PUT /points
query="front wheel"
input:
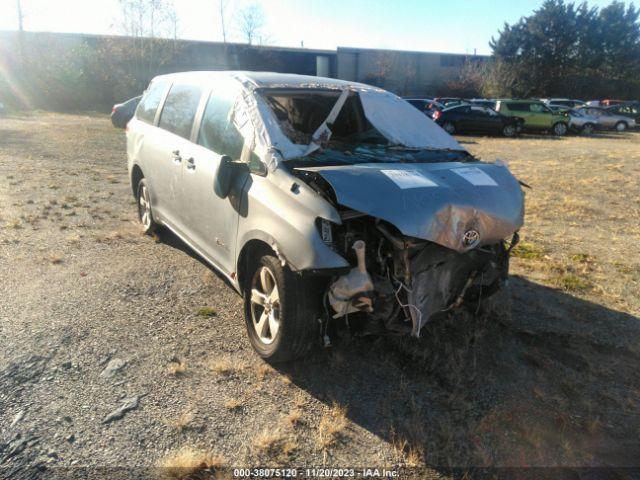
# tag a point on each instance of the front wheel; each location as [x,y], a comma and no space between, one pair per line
[509,131]
[560,129]
[281,311]
[621,126]
[145,215]
[588,129]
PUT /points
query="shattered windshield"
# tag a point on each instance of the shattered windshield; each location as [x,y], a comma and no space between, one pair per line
[353,120]
[301,112]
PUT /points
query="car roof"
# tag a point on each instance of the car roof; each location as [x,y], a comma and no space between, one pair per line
[517,100]
[264,79]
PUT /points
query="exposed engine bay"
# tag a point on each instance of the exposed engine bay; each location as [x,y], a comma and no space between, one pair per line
[398,282]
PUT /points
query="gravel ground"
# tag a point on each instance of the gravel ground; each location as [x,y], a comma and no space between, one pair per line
[126,351]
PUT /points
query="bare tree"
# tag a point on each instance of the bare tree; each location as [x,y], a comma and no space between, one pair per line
[20,16]
[151,48]
[148,18]
[222,8]
[251,22]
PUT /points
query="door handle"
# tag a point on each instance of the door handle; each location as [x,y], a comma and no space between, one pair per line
[176,156]
[191,165]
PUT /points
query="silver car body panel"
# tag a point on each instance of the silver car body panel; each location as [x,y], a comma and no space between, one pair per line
[607,119]
[439,202]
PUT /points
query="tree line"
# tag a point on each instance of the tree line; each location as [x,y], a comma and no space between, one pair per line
[563,49]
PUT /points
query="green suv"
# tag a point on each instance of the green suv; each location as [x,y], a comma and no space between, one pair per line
[536,115]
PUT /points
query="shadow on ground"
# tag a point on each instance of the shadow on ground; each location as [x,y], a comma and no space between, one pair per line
[541,378]
[554,383]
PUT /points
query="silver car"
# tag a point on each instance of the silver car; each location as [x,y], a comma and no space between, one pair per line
[581,122]
[327,204]
[609,120]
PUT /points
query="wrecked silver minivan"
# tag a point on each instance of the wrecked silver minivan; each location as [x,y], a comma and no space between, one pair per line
[321,201]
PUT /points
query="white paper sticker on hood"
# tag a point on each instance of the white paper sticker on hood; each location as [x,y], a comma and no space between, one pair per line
[475,176]
[409,179]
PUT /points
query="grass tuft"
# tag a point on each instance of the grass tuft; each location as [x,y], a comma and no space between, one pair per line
[331,426]
[207,312]
[267,441]
[183,421]
[223,366]
[177,368]
[528,251]
[188,462]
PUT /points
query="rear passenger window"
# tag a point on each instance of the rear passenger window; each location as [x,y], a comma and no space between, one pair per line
[518,107]
[180,109]
[146,111]
[218,131]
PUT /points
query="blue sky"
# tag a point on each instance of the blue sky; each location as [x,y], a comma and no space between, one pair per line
[458,26]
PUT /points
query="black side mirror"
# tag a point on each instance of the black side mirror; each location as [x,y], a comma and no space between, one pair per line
[227,172]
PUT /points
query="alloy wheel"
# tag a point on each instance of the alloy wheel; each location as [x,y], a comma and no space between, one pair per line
[265,305]
[560,129]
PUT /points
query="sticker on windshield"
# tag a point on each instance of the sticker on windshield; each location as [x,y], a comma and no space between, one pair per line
[409,179]
[475,176]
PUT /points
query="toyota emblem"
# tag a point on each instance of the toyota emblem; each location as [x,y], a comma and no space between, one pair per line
[470,238]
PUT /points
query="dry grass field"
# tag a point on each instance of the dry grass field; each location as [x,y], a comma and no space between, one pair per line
[120,350]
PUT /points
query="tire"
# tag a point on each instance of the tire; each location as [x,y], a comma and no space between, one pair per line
[293,311]
[509,131]
[621,126]
[449,127]
[145,214]
[560,129]
[588,129]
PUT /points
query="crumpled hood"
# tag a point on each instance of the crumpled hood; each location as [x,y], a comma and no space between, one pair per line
[446,203]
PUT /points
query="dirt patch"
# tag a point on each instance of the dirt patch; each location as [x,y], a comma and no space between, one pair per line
[545,377]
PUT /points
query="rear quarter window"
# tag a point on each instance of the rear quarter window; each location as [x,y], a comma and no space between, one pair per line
[518,107]
[150,101]
[180,109]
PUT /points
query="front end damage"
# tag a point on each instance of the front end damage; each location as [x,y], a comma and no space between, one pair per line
[457,254]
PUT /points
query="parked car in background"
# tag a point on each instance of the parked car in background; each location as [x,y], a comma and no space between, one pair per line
[535,114]
[121,113]
[484,102]
[426,105]
[630,109]
[301,191]
[581,122]
[609,103]
[608,119]
[449,101]
[477,119]
[563,102]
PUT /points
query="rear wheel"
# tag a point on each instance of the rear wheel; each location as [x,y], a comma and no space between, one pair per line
[509,130]
[560,129]
[588,128]
[449,127]
[281,311]
[145,214]
[621,126]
